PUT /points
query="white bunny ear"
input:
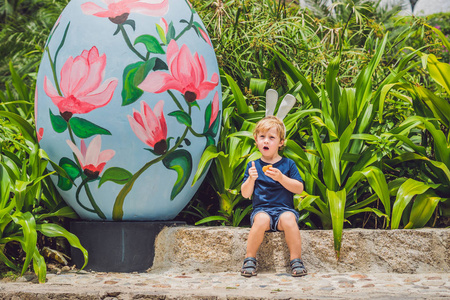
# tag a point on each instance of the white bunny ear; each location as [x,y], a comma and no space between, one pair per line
[285,106]
[271,101]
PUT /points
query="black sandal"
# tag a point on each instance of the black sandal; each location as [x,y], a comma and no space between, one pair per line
[249,267]
[298,268]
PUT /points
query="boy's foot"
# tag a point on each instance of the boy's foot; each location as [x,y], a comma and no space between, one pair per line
[297,268]
[249,267]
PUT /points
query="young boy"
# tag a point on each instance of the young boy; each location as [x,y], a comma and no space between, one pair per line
[272,194]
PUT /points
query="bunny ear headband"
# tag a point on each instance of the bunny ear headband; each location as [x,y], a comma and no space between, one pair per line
[286,104]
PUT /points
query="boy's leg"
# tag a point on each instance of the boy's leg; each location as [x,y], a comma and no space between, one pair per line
[288,223]
[261,223]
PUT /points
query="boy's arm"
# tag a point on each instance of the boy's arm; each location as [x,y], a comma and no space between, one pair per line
[248,186]
[292,185]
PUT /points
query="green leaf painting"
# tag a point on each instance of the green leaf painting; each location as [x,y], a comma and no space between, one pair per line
[181,162]
[116,175]
[151,43]
[58,123]
[84,129]
[71,169]
[182,117]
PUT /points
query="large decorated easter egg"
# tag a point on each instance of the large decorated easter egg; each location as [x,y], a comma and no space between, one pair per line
[128,98]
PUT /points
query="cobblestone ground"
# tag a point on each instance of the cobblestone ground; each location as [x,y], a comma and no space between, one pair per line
[71,284]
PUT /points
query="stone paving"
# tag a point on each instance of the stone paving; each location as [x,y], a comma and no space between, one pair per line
[70,284]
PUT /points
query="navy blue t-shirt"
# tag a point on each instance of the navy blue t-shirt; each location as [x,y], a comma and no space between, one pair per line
[269,193]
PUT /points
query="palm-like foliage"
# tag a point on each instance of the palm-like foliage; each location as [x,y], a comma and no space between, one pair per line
[24,28]
[243,33]
[436,166]
[29,202]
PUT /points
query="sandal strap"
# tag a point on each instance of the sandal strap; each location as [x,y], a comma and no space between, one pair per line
[297,267]
[297,263]
[248,259]
[249,262]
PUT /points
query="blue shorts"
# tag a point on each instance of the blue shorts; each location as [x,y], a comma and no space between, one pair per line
[274,213]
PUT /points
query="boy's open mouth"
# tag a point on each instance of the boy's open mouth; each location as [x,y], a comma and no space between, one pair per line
[266,148]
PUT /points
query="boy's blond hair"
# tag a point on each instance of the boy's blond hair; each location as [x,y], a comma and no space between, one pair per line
[268,123]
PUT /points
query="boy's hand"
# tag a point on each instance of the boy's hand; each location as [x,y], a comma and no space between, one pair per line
[275,174]
[252,172]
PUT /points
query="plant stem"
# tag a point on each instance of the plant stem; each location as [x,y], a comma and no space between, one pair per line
[175,100]
[91,199]
[181,108]
[127,40]
[189,26]
[93,203]
[343,31]
[195,133]
[55,78]
[71,134]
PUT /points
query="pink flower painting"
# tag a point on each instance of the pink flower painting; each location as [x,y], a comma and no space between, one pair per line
[81,84]
[204,36]
[188,75]
[150,126]
[40,134]
[117,11]
[214,109]
[91,159]
[164,25]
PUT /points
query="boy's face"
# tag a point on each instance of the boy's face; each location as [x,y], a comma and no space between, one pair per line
[269,142]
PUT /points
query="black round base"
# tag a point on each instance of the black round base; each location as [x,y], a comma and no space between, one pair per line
[117,246]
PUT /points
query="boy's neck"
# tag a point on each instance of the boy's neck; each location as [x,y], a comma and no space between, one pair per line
[271,159]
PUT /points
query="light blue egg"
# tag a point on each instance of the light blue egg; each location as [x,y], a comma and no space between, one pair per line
[128,98]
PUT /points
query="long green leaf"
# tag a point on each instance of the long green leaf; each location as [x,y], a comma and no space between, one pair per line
[25,127]
[378,182]
[241,103]
[332,165]
[293,73]
[422,209]
[65,212]
[209,154]
[407,190]
[441,145]
[54,230]
[258,86]
[337,207]
[440,72]
[364,82]
[441,35]
[39,266]
[212,218]
[6,260]
[28,224]
[5,185]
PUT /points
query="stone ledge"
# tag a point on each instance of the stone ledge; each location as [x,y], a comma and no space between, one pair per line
[222,249]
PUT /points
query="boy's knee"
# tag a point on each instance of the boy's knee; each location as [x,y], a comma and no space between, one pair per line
[288,219]
[261,219]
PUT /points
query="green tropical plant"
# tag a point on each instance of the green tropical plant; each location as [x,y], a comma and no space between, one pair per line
[244,31]
[433,110]
[29,203]
[342,151]
[229,159]
[24,28]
